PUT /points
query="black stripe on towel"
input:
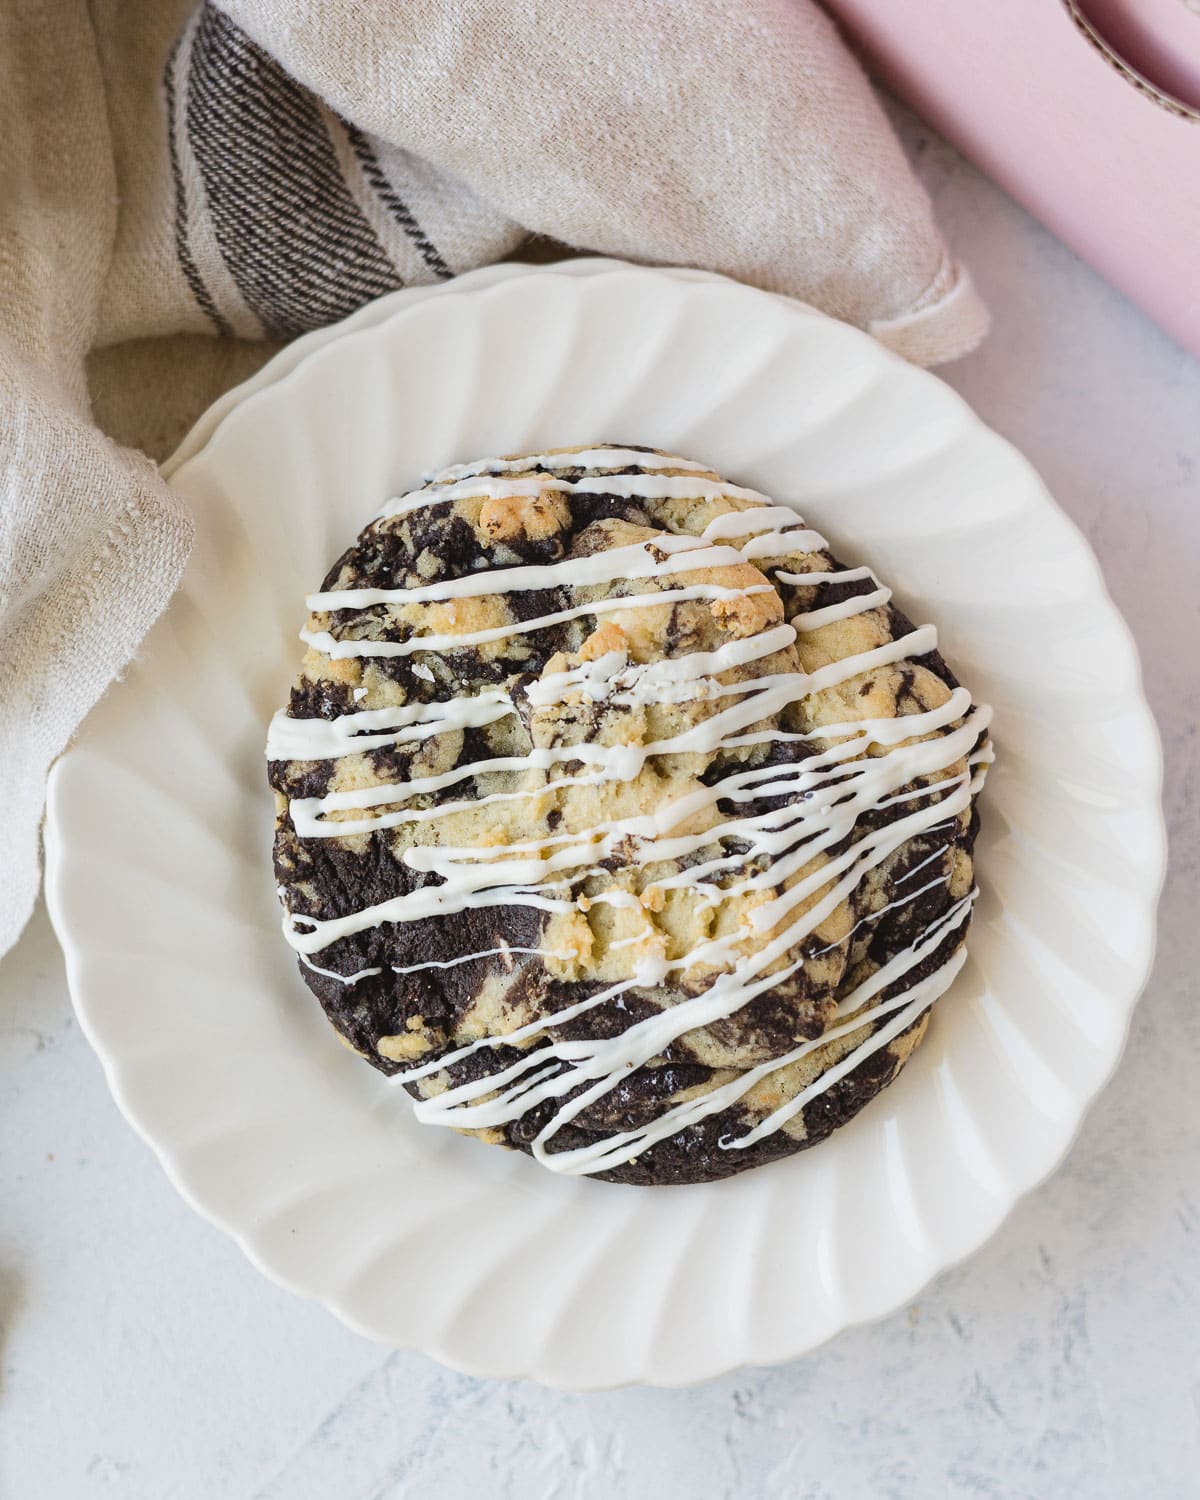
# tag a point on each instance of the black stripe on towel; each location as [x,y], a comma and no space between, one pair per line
[393,202]
[183,251]
[297,245]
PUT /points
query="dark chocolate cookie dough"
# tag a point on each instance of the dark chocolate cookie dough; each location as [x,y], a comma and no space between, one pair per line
[619,819]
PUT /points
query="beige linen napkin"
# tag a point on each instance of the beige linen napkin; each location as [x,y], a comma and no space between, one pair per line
[182,187]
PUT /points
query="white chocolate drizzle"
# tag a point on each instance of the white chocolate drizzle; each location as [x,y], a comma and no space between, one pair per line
[654,485]
[607,457]
[785,855]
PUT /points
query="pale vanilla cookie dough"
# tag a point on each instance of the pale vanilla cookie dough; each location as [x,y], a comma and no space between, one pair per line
[619,820]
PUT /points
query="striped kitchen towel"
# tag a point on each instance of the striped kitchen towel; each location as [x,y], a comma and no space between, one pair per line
[286,215]
[187,185]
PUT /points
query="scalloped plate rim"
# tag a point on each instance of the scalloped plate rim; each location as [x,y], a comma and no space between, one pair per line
[277,370]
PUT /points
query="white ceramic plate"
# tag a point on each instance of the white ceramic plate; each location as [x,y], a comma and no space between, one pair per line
[160,826]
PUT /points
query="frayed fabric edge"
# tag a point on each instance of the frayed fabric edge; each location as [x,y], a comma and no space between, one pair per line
[948,322]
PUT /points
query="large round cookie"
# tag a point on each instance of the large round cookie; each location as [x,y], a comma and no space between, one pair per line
[618,818]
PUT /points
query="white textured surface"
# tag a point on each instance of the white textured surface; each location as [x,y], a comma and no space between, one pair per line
[145,1358]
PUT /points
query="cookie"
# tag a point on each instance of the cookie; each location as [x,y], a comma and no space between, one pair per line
[620,821]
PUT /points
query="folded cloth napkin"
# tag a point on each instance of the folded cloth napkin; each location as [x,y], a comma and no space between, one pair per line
[258,168]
